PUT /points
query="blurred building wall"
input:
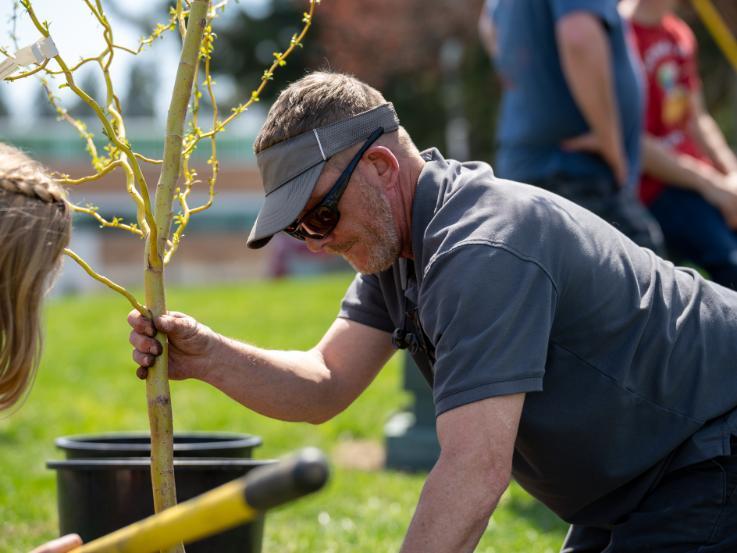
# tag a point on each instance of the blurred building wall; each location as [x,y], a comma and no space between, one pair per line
[214,246]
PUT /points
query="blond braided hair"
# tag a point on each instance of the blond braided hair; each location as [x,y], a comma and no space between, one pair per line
[21,175]
[32,190]
[35,224]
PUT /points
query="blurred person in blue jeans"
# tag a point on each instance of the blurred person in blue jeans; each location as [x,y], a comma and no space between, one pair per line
[689,177]
[571,110]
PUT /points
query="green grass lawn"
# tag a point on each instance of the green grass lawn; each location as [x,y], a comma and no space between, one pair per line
[87,384]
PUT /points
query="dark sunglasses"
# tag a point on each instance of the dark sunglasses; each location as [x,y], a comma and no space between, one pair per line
[322,219]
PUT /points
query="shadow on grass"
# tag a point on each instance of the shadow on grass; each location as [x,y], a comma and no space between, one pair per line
[8,438]
[535,513]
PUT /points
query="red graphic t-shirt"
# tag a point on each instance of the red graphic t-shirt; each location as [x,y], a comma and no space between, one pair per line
[668,54]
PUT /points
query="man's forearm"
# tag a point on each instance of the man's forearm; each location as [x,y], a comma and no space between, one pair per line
[586,62]
[454,509]
[286,385]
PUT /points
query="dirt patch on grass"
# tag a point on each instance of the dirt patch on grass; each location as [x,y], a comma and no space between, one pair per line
[368,455]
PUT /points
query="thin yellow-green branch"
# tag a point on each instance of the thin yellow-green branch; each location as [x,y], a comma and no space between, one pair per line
[197,135]
[158,31]
[130,188]
[109,283]
[125,49]
[180,18]
[177,112]
[28,73]
[148,159]
[140,179]
[190,175]
[65,180]
[213,161]
[115,223]
[279,61]
[75,67]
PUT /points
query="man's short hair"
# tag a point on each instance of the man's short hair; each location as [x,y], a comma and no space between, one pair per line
[314,101]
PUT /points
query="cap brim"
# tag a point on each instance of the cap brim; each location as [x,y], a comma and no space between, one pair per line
[282,207]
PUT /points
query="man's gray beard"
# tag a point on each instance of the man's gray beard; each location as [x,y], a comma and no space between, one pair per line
[383,254]
[384,247]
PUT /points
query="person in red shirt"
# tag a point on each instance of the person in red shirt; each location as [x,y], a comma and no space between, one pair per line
[689,177]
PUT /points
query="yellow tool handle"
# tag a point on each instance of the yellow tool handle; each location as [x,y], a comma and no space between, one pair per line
[208,513]
[224,507]
[718,29]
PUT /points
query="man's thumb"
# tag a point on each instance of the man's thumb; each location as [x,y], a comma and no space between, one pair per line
[181,327]
[167,324]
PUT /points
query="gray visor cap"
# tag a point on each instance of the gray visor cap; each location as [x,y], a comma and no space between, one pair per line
[290,169]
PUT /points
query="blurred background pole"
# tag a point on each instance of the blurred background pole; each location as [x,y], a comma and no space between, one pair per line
[411,441]
[456,128]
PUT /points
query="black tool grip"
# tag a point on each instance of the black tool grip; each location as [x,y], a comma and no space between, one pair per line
[291,478]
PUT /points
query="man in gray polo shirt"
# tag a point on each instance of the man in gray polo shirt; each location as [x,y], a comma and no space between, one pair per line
[598,374]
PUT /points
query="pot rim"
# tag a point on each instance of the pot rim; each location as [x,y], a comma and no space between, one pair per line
[144,463]
[97,442]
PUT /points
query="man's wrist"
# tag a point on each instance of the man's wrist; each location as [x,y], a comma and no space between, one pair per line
[212,359]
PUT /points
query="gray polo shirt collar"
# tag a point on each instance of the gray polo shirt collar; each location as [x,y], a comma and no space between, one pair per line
[425,202]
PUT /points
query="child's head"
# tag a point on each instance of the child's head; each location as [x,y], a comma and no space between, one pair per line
[35,223]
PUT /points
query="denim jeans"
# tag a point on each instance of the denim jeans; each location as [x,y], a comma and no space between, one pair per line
[695,231]
[691,510]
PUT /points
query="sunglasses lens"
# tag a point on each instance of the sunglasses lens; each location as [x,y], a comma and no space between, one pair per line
[320,222]
[316,224]
[295,230]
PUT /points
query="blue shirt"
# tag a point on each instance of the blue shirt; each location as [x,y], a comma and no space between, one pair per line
[537,110]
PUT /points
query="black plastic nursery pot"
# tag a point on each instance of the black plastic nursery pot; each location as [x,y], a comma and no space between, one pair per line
[105,482]
[98,496]
[138,444]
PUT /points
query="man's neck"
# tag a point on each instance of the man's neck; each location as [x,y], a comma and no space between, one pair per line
[409,176]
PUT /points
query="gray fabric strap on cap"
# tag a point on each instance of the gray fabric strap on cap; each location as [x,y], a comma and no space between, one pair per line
[286,160]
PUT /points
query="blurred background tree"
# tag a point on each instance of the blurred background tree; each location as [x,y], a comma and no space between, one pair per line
[42,108]
[424,55]
[140,92]
[719,80]
[3,105]
[248,40]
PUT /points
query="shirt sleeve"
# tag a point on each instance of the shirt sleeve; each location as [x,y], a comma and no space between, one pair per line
[489,313]
[364,303]
[606,10]
[491,8]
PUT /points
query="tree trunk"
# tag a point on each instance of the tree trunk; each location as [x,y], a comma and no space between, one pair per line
[157,383]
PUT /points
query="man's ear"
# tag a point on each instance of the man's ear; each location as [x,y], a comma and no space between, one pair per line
[385,164]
